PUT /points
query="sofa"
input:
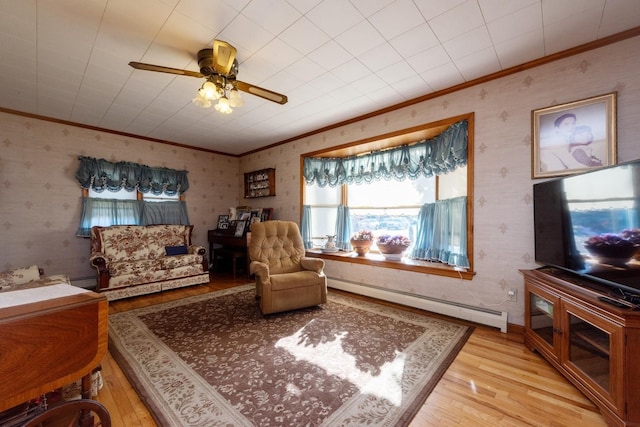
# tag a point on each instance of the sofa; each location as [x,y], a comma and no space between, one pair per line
[135,260]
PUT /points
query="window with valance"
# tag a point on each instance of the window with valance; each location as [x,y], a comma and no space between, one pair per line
[103,176]
[436,223]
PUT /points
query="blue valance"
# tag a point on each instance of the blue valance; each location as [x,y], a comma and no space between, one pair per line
[101,174]
[435,156]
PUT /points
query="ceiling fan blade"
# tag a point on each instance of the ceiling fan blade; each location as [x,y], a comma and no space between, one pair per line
[223,56]
[262,93]
[161,69]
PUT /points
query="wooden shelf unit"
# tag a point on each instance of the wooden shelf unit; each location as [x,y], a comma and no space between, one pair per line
[261,183]
[592,343]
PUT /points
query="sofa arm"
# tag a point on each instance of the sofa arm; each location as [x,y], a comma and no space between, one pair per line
[199,250]
[98,260]
[260,270]
[313,264]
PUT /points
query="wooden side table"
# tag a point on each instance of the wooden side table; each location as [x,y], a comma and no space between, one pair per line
[49,337]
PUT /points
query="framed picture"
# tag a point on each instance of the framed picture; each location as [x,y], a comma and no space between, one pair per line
[240,226]
[267,213]
[573,137]
[223,222]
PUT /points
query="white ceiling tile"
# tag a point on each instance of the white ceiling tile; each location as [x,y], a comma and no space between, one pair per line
[305,69]
[398,71]
[274,16]
[360,38]
[414,41]
[412,87]
[369,84]
[380,57]
[442,77]
[397,18]
[351,71]
[579,29]
[555,12]
[520,49]
[369,7]
[478,64]
[334,16]
[523,21]
[245,36]
[468,43]
[432,8]
[457,21]
[212,14]
[304,36]
[330,55]
[18,19]
[618,16]
[429,59]
[496,9]
[303,6]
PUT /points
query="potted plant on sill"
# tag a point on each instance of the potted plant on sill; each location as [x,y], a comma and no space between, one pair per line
[362,241]
[392,247]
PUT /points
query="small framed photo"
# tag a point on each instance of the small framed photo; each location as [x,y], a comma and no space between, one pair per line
[573,137]
[223,222]
[240,226]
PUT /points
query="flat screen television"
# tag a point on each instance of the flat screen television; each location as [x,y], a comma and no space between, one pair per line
[589,224]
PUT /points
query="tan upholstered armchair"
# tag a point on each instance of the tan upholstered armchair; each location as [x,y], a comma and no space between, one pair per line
[285,278]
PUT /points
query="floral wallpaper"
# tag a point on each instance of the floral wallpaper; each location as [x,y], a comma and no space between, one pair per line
[40,197]
[503,203]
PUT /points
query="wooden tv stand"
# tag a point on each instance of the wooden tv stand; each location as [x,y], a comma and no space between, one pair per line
[593,343]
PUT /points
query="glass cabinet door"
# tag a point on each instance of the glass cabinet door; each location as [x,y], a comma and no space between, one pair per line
[592,351]
[541,317]
[589,351]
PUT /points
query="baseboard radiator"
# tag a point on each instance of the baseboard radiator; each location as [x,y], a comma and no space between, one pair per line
[493,318]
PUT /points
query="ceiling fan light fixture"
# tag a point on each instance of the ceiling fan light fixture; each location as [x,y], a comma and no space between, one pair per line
[235,100]
[200,100]
[223,106]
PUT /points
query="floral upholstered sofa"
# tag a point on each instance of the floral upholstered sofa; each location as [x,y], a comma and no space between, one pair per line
[141,259]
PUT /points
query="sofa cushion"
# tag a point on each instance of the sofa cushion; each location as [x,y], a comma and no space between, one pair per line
[176,261]
[299,279]
[176,250]
[19,276]
[121,268]
[125,242]
[160,236]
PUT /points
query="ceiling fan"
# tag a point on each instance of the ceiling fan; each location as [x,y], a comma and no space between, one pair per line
[220,67]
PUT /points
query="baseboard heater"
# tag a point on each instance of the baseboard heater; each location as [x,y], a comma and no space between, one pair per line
[493,318]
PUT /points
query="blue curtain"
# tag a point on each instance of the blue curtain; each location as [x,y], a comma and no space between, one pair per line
[101,174]
[442,232]
[343,228]
[106,212]
[305,226]
[165,213]
[436,156]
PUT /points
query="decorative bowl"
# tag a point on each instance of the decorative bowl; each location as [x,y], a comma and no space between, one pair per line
[611,249]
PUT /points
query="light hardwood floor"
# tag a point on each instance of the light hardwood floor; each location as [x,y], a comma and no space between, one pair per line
[494,381]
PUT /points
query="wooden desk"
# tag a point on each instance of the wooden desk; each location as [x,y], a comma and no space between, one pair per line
[57,337]
[225,239]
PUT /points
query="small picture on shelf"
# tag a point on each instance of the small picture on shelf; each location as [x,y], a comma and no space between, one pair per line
[223,222]
[240,228]
[267,213]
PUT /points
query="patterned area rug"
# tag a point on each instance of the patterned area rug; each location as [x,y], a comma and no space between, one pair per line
[215,360]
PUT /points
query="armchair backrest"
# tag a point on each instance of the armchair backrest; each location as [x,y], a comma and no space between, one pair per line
[277,244]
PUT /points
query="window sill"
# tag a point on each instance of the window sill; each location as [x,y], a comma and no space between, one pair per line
[407,264]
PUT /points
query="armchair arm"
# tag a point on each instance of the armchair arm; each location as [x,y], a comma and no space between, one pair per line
[259,269]
[313,264]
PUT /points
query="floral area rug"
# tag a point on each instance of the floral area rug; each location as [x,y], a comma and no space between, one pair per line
[215,360]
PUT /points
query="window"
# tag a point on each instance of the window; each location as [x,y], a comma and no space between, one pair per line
[124,193]
[376,202]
